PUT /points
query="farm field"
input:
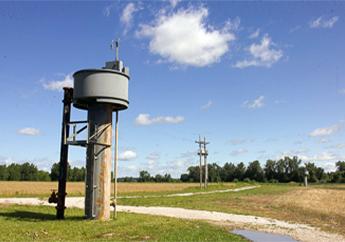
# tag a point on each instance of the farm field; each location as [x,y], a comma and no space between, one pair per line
[29,189]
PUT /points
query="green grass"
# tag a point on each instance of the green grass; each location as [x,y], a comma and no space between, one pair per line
[26,223]
[196,188]
[231,202]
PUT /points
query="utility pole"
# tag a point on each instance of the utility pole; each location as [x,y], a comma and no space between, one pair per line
[200,155]
[203,153]
[205,160]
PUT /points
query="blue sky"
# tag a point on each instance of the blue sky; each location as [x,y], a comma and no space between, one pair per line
[259,79]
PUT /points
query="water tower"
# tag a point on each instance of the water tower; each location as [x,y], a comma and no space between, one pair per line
[100,92]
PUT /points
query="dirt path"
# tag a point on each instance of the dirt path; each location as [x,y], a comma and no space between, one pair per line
[187,194]
[300,232]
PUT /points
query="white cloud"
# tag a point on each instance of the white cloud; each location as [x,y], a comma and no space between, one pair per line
[321,22]
[256,103]
[146,119]
[303,155]
[238,141]
[326,131]
[107,10]
[255,34]
[127,15]
[207,105]
[29,131]
[57,85]
[340,146]
[341,91]
[127,155]
[174,3]
[152,159]
[262,54]
[238,152]
[153,156]
[184,38]
[324,156]
[328,166]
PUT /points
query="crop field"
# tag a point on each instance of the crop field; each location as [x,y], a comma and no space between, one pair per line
[27,189]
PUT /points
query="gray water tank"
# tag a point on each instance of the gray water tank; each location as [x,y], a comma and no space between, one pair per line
[101,86]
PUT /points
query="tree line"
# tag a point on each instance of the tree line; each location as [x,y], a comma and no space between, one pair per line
[287,169]
[29,172]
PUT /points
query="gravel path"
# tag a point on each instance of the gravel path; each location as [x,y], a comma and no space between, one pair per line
[187,194]
[300,232]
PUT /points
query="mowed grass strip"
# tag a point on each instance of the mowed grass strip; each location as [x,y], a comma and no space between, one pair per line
[25,223]
[319,206]
[43,189]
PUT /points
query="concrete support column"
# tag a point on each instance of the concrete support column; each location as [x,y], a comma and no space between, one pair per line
[98,164]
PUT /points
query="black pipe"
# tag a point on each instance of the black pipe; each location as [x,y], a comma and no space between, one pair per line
[66,116]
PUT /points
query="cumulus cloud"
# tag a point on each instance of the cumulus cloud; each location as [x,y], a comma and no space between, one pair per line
[146,119]
[261,54]
[255,34]
[254,104]
[174,3]
[342,91]
[152,159]
[107,10]
[324,156]
[29,131]
[127,15]
[206,105]
[184,38]
[127,155]
[58,85]
[322,22]
[238,152]
[326,131]
[238,141]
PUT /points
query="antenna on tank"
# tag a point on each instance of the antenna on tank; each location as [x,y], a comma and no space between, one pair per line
[115,45]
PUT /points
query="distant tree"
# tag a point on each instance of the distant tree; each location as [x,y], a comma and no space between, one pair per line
[227,173]
[340,165]
[240,171]
[76,174]
[28,172]
[270,170]
[144,176]
[184,177]
[54,172]
[312,170]
[194,173]
[292,168]
[254,171]
[167,178]
[14,172]
[43,176]
[214,172]
[3,173]
[158,178]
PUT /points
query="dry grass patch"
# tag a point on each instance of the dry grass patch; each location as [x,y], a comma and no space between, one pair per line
[324,208]
[19,188]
